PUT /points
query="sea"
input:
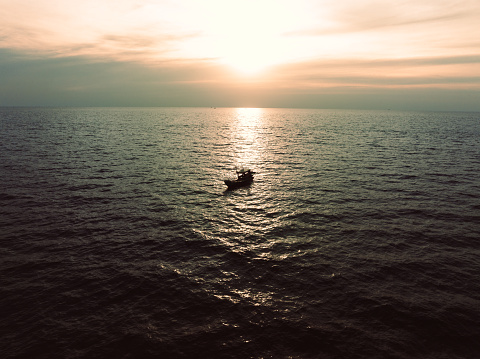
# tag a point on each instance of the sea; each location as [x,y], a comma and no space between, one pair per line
[359,237]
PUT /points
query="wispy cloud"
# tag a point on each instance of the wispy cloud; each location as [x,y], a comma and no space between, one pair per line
[163,28]
[108,28]
[381,29]
[359,16]
[433,72]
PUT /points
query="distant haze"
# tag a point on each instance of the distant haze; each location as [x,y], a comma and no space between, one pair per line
[411,55]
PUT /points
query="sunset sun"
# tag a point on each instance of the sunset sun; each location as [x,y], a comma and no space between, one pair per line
[246,37]
[248,58]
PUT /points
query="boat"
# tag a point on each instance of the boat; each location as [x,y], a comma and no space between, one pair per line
[244,178]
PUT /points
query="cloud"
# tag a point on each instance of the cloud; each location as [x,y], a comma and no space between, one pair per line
[147,30]
[381,29]
[459,72]
[358,16]
[86,81]
[114,29]
[82,81]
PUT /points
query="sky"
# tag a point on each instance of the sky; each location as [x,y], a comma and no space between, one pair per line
[357,54]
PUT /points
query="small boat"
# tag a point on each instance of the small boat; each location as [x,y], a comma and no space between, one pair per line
[244,178]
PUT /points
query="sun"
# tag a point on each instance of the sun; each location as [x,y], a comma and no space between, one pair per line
[248,36]
[252,50]
[248,49]
[246,60]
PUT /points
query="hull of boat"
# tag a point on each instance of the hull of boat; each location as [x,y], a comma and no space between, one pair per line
[238,183]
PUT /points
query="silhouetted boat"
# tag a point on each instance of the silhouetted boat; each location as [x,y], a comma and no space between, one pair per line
[244,178]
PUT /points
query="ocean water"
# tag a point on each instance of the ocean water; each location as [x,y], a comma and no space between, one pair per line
[359,238]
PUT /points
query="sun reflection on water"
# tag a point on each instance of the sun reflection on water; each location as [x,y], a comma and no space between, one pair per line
[247,137]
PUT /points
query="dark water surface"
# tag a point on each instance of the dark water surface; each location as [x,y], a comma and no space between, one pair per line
[360,237]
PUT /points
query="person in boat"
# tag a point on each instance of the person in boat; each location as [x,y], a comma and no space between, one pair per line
[244,174]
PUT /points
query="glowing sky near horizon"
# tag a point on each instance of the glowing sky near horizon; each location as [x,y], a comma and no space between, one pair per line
[303,44]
